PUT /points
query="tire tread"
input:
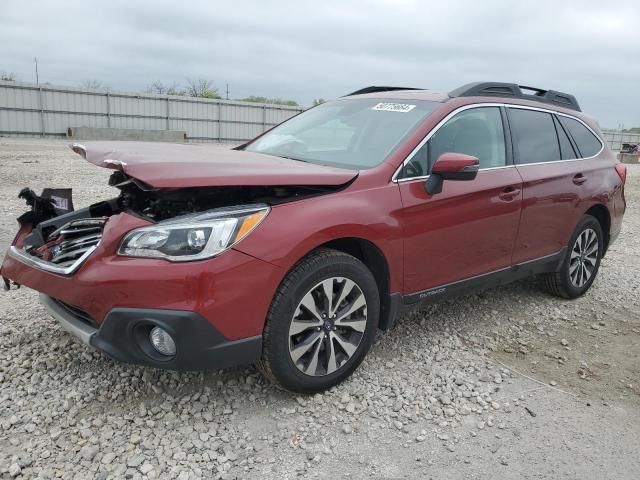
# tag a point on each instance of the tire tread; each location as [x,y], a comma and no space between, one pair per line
[312,262]
[557,283]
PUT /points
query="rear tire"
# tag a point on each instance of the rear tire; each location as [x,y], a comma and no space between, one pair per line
[581,263]
[321,322]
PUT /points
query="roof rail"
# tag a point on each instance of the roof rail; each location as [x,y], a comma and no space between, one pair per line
[513,90]
[362,91]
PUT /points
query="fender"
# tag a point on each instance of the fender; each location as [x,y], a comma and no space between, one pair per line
[348,214]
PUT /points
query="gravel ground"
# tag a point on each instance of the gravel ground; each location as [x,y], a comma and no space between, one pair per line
[509,383]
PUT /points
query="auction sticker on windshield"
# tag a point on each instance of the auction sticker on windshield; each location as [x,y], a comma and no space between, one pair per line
[394,107]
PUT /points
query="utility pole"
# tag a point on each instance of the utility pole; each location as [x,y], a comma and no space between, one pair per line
[227,91]
[37,78]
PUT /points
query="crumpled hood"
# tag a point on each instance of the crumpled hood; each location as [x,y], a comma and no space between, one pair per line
[174,165]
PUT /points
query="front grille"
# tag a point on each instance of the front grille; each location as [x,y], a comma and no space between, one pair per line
[69,251]
[74,239]
[66,249]
[77,313]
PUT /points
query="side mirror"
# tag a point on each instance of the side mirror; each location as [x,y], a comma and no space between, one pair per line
[451,166]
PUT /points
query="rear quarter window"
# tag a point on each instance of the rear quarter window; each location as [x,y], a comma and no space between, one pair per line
[588,144]
[566,149]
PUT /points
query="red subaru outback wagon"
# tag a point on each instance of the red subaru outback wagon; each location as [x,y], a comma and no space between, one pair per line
[293,249]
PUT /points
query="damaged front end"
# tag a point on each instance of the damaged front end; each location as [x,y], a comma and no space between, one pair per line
[55,238]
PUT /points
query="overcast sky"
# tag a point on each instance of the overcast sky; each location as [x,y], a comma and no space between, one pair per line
[308,49]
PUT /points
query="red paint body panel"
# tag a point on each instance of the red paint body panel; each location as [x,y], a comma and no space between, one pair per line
[454,162]
[359,211]
[174,165]
[553,204]
[465,230]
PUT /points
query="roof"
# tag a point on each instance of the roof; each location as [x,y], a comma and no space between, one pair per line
[498,90]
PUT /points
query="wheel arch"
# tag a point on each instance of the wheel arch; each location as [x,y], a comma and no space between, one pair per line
[374,259]
[601,213]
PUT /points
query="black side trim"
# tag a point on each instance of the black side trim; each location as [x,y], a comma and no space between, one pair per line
[393,311]
[78,313]
[124,336]
[550,263]
[508,139]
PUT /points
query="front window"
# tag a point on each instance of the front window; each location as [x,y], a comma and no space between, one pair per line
[355,133]
[476,131]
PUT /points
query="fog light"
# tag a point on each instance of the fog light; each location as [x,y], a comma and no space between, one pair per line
[162,341]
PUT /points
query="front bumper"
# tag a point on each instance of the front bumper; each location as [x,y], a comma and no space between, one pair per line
[232,291]
[124,336]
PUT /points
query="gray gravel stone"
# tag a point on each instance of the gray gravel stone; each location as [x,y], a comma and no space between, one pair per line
[14,470]
[75,411]
[135,461]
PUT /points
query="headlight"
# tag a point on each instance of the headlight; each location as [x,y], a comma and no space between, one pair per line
[194,237]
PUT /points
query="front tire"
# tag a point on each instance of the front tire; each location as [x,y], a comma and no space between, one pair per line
[581,263]
[321,322]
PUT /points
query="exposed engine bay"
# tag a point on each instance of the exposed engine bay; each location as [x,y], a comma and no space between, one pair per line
[162,204]
[62,238]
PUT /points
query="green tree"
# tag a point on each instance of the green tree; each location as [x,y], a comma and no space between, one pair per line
[273,101]
[160,88]
[255,99]
[201,87]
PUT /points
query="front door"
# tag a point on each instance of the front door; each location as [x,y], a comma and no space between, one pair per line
[470,227]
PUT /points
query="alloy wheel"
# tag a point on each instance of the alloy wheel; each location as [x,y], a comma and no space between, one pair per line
[328,326]
[584,257]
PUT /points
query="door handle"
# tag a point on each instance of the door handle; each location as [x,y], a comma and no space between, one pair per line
[509,193]
[579,179]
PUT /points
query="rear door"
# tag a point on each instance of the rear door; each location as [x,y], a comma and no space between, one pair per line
[555,180]
[470,227]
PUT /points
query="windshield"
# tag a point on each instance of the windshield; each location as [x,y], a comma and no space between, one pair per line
[355,133]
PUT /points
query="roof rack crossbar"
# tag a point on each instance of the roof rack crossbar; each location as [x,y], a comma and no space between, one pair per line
[372,89]
[500,89]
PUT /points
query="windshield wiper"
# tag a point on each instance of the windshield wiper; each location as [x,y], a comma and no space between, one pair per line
[292,158]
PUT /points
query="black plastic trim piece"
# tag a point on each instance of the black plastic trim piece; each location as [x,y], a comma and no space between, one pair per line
[433,185]
[39,234]
[508,140]
[394,310]
[550,263]
[373,89]
[513,90]
[124,336]
[78,313]
[199,346]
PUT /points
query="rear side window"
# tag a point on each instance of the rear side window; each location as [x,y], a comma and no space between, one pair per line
[566,149]
[587,142]
[535,136]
